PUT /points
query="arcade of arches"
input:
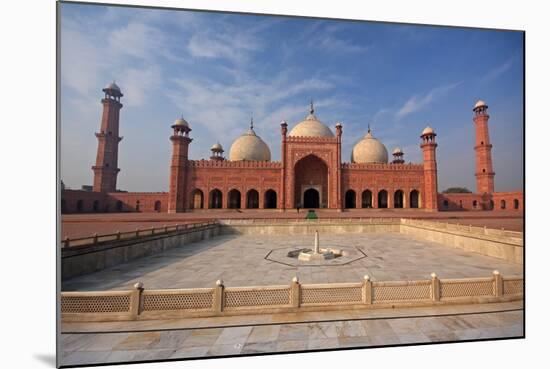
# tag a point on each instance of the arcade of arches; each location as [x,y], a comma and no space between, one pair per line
[311,199]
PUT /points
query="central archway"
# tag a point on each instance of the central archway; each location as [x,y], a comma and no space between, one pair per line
[311,198]
[311,173]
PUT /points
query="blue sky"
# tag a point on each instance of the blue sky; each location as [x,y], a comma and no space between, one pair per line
[219,69]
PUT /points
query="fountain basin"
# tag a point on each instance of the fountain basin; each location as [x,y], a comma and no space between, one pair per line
[323,254]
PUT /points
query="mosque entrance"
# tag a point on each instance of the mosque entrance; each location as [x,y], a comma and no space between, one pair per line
[311,198]
[311,182]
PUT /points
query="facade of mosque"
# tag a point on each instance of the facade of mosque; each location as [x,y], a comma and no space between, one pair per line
[311,173]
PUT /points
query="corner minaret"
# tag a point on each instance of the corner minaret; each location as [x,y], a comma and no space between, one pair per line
[178,168]
[485,176]
[106,166]
[428,146]
[338,165]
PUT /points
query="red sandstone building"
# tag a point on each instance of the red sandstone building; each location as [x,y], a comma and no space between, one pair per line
[311,173]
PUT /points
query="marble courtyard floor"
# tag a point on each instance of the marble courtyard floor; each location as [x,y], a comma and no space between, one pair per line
[240,261]
[91,343]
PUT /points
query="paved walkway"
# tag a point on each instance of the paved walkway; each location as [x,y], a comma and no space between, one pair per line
[178,339]
[240,261]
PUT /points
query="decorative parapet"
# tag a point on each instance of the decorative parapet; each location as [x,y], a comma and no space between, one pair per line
[139,234]
[307,222]
[380,166]
[235,164]
[309,139]
[140,304]
[499,235]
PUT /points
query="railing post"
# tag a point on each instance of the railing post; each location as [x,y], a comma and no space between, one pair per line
[137,232]
[436,288]
[498,283]
[367,290]
[218,296]
[295,292]
[165,228]
[95,237]
[67,242]
[118,235]
[136,305]
[152,230]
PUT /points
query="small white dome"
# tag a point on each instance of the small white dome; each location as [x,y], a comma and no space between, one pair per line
[181,122]
[479,104]
[311,127]
[369,150]
[249,147]
[397,150]
[428,131]
[216,147]
[112,86]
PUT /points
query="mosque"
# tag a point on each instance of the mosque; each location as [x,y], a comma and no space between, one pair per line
[311,173]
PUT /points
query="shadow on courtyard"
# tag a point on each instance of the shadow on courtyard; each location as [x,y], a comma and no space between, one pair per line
[120,276]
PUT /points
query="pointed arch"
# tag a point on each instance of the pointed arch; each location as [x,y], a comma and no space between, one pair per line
[382,199]
[234,199]
[414,199]
[349,200]
[215,199]
[270,199]
[366,199]
[252,199]
[398,199]
[197,199]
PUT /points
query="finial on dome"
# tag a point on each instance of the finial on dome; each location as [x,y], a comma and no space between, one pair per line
[368,129]
[311,110]
[251,121]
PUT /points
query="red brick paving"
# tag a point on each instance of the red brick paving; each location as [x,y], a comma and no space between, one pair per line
[82,225]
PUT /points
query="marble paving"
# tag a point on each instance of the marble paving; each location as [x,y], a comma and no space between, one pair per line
[240,261]
[115,347]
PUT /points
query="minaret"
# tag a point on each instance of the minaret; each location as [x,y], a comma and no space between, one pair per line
[106,166]
[339,166]
[428,146]
[398,156]
[178,169]
[485,176]
[282,201]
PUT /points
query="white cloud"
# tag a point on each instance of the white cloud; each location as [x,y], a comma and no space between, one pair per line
[499,70]
[137,40]
[326,38]
[210,102]
[234,47]
[336,45]
[138,84]
[418,102]
[81,61]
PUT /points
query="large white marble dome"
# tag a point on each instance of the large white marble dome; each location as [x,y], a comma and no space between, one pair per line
[369,150]
[249,146]
[311,127]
